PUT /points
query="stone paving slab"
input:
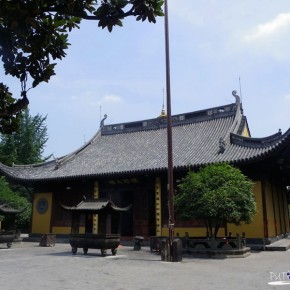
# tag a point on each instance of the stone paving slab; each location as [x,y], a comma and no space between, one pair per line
[26,266]
[280,245]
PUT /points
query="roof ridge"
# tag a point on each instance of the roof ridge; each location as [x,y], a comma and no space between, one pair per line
[177,120]
[61,161]
[225,139]
[260,142]
[236,122]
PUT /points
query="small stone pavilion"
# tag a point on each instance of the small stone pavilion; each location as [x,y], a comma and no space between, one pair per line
[127,163]
[9,213]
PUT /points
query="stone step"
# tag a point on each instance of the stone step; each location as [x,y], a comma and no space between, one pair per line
[280,245]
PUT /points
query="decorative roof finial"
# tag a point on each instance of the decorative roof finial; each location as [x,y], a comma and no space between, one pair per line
[238,99]
[222,145]
[56,161]
[163,113]
[103,121]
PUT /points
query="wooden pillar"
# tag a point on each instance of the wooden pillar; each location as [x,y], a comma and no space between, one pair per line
[264,204]
[95,216]
[274,209]
[282,210]
[158,219]
[279,211]
[285,207]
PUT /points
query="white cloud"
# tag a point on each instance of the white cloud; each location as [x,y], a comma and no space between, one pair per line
[270,28]
[111,99]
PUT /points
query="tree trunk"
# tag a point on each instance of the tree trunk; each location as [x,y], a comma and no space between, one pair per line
[209,229]
[216,229]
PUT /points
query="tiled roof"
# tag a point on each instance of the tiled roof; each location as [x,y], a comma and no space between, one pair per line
[7,209]
[95,206]
[199,138]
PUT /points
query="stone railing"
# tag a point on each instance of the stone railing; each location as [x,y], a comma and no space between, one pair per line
[219,243]
[203,243]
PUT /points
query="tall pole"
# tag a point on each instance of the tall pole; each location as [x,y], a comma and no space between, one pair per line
[169,136]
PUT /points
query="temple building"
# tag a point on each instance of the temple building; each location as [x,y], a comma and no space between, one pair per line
[127,163]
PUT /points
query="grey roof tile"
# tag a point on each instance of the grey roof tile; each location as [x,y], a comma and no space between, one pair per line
[142,147]
[95,206]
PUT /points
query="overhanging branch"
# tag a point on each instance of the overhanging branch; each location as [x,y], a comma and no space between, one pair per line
[15,108]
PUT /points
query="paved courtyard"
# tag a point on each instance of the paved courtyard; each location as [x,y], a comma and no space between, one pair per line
[28,266]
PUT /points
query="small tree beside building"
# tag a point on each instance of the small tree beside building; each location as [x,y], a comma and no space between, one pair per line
[7,195]
[217,194]
[26,146]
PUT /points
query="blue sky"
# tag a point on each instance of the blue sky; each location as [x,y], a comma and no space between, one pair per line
[212,44]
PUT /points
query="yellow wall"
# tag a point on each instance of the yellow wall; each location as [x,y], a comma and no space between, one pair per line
[41,221]
[277,216]
[246,132]
[253,230]
[286,213]
[276,207]
[281,201]
[256,228]
[283,212]
[270,210]
[277,213]
[277,210]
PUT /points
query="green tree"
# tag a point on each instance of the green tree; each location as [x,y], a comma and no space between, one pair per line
[217,194]
[34,33]
[17,202]
[26,146]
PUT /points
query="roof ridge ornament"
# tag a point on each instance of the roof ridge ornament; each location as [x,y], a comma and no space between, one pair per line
[222,145]
[238,99]
[56,161]
[103,121]
[163,113]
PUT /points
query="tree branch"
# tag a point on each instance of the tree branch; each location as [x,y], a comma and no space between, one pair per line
[15,108]
[90,17]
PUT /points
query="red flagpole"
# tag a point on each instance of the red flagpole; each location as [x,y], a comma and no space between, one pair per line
[169,136]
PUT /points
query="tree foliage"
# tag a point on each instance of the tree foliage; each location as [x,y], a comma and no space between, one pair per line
[26,146]
[217,194]
[17,202]
[34,34]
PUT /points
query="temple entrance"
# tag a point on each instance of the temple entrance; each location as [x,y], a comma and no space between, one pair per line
[140,219]
[144,213]
[139,192]
[127,217]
